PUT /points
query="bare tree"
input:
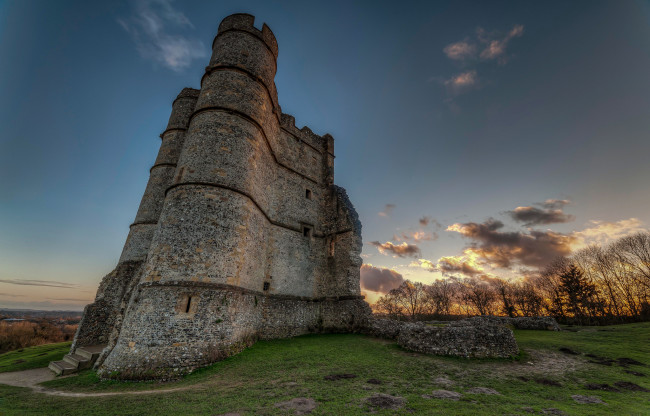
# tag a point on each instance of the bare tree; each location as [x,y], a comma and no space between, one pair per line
[479,295]
[634,251]
[389,306]
[527,299]
[412,297]
[505,291]
[440,296]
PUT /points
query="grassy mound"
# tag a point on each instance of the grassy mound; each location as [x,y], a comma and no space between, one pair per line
[570,372]
[33,357]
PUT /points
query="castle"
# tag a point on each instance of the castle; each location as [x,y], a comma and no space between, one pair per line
[241,233]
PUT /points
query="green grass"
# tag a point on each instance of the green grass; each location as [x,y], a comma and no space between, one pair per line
[276,371]
[33,357]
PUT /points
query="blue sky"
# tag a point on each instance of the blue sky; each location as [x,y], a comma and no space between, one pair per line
[457,111]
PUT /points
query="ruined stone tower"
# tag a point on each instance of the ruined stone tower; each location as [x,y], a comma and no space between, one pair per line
[241,233]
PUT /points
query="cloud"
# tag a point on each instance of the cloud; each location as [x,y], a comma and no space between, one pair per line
[550,213]
[43,305]
[424,221]
[425,264]
[28,282]
[397,250]
[451,265]
[416,236]
[503,249]
[462,82]
[496,47]
[156,27]
[603,232]
[379,279]
[388,208]
[467,264]
[460,50]
[555,203]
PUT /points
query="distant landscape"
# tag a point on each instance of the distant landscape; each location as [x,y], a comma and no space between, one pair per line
[20,328]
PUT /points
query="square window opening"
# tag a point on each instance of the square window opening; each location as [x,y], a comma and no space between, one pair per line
[306,231]
[266,286]
[308,193]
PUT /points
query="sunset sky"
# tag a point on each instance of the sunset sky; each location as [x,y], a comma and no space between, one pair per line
[474,138]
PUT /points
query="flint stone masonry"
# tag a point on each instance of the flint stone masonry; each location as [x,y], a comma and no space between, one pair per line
[468,338]
[541,323]
[241,233]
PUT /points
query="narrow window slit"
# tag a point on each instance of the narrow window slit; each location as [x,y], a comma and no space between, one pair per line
[189,303]
[306,231]
[308,194]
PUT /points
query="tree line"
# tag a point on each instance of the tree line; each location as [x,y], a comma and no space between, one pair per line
[594,285]
[21,334]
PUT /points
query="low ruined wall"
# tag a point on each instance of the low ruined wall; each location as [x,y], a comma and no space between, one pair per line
[164,337]
[541,323]
[471,339]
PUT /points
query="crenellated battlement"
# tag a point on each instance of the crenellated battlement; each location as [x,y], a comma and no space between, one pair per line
[323,143]
[245,22]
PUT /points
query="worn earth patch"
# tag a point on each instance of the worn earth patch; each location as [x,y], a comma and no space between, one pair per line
[481,390]
[443,394]
[547,382]
[630,386]
[605,387]
[444,381]
[385,401]
[578,398]
[301,405]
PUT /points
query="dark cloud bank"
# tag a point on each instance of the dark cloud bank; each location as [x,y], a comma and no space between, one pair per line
[379,279]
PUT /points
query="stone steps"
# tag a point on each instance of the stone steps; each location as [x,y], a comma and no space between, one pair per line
[82,358]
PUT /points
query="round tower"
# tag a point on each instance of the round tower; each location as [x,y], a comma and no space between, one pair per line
[195,302]
[213,227]
[161,176]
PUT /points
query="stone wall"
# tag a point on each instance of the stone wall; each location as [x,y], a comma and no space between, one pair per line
[540,323]
[172,329]
[467,338]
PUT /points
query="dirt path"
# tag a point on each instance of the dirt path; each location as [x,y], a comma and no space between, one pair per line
[31,379]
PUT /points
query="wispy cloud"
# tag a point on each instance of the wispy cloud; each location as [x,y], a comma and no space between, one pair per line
[30,282]
[71,299]
[416,236]
[156,28]
[495,47]
[470,52]
[388,208]
[461,50]
[462,82]
[397,250]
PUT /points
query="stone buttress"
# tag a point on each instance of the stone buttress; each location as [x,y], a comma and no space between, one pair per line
[102,316]
[253,240]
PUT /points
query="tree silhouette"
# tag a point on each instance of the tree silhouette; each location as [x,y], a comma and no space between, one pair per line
[578,292]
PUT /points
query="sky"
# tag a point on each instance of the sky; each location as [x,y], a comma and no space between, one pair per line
[474,138]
